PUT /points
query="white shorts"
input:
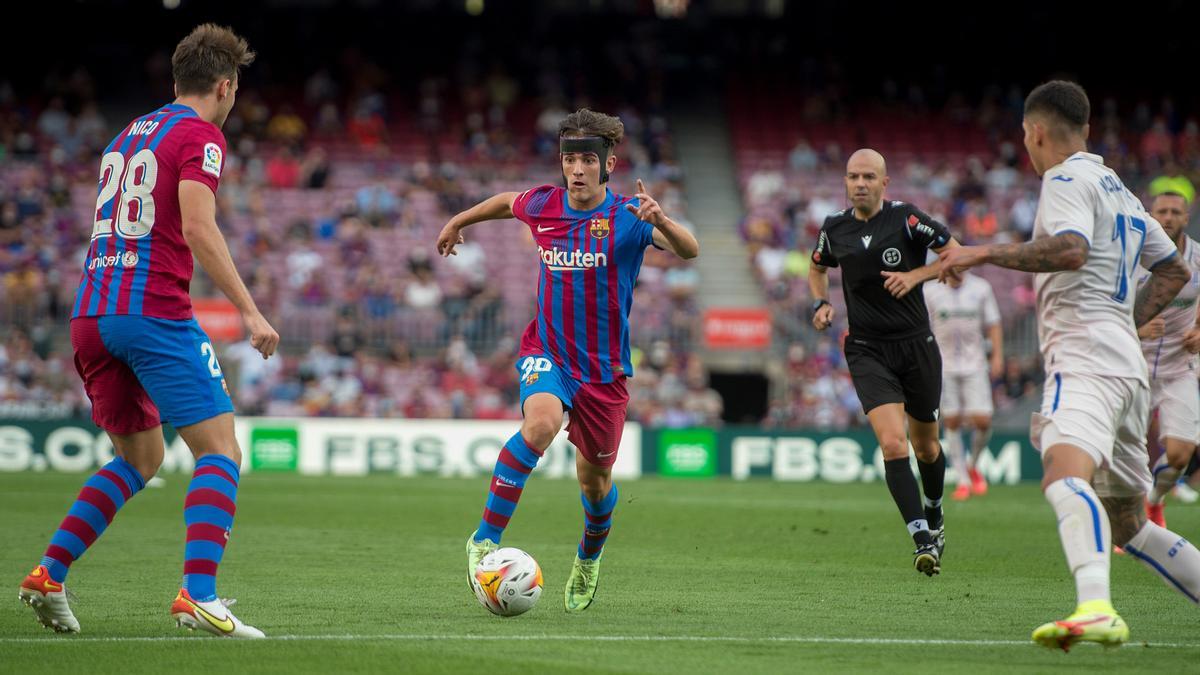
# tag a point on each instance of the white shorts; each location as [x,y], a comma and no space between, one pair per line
[969,394]
[1178,403]
[1104,416]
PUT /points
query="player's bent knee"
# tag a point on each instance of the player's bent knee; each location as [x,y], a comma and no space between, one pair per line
[894,448]
[539,430]
[147,468]
[1178,454]
[927,451]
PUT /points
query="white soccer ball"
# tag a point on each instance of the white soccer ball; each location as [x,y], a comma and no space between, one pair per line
[508,581]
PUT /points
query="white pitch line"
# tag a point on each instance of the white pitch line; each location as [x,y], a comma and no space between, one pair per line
[405,637]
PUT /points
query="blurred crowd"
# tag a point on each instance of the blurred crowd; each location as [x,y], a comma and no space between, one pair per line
[330,199]
[970,172]
[334,190]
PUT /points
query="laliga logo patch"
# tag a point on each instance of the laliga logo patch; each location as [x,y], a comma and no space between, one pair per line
[129,259]
[891,257]
[599,227]
[212,159]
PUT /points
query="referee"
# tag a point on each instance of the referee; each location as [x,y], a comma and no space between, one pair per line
[894,362]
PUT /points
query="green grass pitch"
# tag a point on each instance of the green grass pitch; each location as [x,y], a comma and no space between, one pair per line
[366,574]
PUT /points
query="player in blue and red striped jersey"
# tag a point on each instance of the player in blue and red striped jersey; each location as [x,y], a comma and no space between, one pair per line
[142,356]
[575,353]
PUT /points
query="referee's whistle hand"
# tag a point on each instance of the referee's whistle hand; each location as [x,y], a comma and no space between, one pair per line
[898,283]
[823,317]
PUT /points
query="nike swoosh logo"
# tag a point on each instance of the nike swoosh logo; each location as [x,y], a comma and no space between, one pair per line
[1064,179]
[225,626]
[602,455]
[544,229]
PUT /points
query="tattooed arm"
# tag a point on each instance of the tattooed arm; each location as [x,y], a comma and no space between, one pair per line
[1127,515]
[1166,279]
[1066,251]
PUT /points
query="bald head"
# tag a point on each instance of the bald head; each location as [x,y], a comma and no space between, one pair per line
[866,178]
[867,159]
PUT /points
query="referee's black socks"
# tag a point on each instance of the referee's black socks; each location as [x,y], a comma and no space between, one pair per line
[933,482]
[907,496]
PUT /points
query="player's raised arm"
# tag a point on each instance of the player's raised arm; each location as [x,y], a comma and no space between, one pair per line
[668,234]
[198,209]
[496,207]
[1057,253]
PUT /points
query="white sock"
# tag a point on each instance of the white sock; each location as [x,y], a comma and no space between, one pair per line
[1164,479]
[979,441]
[954,450]
[1170,556]
[1085,533]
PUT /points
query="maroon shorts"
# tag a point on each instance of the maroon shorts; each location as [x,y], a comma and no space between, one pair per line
[596,420]
[596,411]
[119,402]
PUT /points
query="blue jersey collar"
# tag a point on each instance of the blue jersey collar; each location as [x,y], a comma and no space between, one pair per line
[608,201]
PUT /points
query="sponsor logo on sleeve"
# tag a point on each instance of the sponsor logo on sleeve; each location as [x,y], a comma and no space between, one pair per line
[212,159]
[916,224]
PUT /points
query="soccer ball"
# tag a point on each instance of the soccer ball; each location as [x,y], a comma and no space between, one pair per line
[508,581]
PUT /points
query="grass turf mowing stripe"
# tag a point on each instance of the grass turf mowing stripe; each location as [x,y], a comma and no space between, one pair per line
[595,638]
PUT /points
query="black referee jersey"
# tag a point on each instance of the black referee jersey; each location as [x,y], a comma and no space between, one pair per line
[896,239]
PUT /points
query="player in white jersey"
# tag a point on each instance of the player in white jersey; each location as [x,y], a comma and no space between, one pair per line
[1170,343]
[960,311]
[1089,236]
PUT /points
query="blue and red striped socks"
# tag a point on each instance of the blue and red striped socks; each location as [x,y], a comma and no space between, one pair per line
[98,501]
[208,513]
[517,459]
[597,521]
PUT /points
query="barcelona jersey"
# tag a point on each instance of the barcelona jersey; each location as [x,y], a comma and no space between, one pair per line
[138,262]
[589,262]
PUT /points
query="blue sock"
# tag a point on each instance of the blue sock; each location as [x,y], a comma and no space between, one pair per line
[98,502]
[597,521]
[208,512]
[517,459]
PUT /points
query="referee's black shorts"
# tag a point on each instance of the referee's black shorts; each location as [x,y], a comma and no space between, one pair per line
[902,371]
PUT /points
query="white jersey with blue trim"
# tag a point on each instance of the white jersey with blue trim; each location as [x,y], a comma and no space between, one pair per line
[1166,356]
[1085,316]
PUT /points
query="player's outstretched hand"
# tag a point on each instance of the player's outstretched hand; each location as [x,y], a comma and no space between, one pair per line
[262,336]
[823,317]
[648,210]
[898,283]
[449,237]
[959,259]
[1191,341]
[1155,329]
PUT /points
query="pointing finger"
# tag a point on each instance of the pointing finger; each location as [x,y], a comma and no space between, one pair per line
[641,186]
